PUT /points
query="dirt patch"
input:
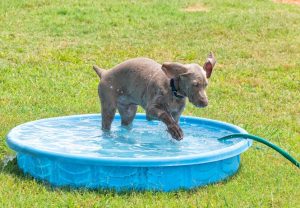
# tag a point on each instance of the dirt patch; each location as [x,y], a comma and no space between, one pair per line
[296,2]
[195,8]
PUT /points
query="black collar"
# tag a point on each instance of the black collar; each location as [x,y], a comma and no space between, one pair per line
[174,90]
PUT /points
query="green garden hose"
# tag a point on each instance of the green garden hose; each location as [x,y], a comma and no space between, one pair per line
[261,140]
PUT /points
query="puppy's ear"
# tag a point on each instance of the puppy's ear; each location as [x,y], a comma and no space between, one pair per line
[172,69]
[209,64]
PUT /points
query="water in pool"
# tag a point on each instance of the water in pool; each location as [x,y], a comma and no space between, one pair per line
[145,139]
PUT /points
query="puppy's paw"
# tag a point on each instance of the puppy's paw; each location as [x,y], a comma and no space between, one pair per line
[175,131]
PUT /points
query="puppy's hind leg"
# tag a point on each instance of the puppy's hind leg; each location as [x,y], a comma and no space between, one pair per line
[108,106]
[108,110]
[127,113]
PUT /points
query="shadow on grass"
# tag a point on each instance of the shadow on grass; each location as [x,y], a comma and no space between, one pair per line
[10,167]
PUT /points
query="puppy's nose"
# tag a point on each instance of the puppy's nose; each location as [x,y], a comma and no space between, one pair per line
[204,103]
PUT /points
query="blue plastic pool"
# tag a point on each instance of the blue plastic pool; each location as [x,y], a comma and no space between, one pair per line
[73,151]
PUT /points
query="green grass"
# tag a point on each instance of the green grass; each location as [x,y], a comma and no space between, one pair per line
[47,49]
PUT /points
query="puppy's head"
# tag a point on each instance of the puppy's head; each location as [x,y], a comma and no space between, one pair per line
[191,79]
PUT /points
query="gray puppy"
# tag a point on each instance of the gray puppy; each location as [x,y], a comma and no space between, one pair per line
[160,89]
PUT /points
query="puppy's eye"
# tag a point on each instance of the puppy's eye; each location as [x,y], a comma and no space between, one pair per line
[196,84]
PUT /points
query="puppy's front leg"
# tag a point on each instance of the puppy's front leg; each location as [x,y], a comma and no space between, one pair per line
[173,127]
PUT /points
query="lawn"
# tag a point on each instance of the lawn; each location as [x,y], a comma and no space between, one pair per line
[48,47]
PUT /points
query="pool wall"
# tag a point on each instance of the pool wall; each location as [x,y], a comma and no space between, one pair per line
[160,178]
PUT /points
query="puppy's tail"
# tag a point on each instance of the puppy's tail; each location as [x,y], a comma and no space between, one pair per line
[98,70]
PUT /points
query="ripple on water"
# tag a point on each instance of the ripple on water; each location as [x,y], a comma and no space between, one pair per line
[83,136]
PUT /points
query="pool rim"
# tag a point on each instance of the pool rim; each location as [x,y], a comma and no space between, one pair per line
[200,158]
